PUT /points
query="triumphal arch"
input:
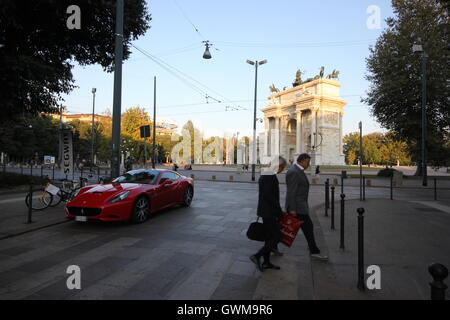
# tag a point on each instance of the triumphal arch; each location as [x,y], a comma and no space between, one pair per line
[306,118]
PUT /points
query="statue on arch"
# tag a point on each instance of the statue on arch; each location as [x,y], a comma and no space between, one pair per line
[273,88]
[333,75]
[298,78]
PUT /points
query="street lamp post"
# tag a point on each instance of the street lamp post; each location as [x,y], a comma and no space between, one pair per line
[360,161]
[417,48]
[256,64]
[92,131]
[117,99]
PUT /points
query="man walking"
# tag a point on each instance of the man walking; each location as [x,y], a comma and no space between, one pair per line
[297,201]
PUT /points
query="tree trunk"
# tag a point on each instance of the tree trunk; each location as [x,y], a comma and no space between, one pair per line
[418,170]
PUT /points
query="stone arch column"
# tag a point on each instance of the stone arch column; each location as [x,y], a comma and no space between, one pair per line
[299,133]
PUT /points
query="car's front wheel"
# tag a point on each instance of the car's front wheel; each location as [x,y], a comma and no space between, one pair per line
[188,196]
[141,210]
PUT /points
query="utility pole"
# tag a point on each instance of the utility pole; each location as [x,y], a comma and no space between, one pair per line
[117,99]
[419,49]
[360,161]
[154,123]
[93,122]
[60,135]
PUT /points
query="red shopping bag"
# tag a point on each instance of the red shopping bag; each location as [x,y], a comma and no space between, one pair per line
[289,228]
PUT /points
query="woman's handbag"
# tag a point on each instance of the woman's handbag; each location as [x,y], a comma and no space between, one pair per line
[256,231]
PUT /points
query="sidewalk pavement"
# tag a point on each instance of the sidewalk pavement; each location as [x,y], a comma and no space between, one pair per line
[401,237]
[14,216]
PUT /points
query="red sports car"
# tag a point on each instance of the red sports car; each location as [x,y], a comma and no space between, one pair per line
[132,196]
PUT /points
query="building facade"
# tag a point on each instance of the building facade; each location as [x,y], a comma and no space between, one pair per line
[306,118]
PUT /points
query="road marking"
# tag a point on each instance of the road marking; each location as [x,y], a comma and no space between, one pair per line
[438,206]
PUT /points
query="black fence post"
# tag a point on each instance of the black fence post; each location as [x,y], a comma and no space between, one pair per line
[439,272]
[21,168]
[31,169]
[42,170]
[361,285]
[392,192]
[435,190]
[30,205]
[53,171]
[342,246]
[332,207]
[327,196]
[81,172]
[364,188]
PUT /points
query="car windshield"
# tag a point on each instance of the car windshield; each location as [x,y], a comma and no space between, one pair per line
[138,176]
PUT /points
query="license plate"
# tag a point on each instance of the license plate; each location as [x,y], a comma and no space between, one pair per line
[81,218]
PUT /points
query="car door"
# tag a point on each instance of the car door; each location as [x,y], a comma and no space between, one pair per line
[167,191]
[154,192]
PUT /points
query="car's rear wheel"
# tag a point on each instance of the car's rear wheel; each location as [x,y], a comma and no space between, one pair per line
[188,196]
[141,210]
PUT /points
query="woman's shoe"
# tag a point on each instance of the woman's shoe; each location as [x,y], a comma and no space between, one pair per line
[257,262]
[270,266]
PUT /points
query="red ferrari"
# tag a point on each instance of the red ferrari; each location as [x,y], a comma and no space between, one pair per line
[132,196]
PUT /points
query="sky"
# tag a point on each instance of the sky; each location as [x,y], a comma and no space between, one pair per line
[290,34]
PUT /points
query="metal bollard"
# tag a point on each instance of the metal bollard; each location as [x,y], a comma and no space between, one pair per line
[31,170]
[81,172]
[332,207]
[361,285]
[439,272]
[435,190]
[342,246]
[30,205]
[364,188]
[53,172]
[42,168]
[392,193]
[21,169]
[327,196]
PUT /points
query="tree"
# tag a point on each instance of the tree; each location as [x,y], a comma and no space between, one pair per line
[39,50]
[395,75]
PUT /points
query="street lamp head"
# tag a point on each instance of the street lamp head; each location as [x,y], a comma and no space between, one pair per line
[94,90]
[250,62]
[262,62]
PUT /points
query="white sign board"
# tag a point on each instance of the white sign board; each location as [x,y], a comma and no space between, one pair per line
[49,160]
[67,152]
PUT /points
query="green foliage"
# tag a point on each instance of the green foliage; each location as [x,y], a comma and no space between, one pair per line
[395,76]
[39,50]
[381,149]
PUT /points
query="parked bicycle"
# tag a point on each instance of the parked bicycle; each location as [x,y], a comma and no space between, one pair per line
[52,195]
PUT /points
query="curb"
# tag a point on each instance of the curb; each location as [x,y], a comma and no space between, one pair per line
[34,229]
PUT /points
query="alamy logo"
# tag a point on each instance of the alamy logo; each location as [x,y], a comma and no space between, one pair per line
[74,20]
[374,280]
[374,20]
[74,280]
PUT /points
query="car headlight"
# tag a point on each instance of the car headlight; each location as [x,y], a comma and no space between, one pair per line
[75,193]
[120,197]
